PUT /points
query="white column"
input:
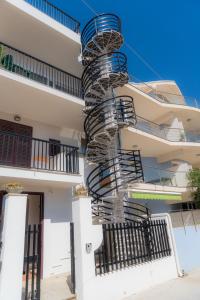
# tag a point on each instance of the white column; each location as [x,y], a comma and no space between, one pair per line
[85,234]
[12,254]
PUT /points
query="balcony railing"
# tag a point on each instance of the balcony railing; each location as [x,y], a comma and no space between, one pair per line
[32,68]
[166,97]
[56,13]
[27,152]
[165,177]
[167,133]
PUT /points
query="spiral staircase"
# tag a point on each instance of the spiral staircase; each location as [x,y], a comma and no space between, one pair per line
[106,115]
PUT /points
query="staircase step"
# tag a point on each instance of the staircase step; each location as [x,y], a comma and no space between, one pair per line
[73,297]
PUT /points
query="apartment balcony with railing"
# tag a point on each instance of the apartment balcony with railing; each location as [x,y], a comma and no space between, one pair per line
[43,30]
[165,177]
[166,92]
[167,133]
[22,64]
[26,152]
[56,13]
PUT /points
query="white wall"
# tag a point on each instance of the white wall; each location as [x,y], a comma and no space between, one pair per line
[46,132]
[118,284]
[56,232]
[175,132]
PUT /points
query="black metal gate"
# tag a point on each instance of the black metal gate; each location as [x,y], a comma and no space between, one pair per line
[131,243]
[32,263]
[73,286]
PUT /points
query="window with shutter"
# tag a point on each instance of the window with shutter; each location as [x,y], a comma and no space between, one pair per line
[15,144]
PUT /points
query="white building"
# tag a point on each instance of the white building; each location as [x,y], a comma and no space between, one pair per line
[110,248]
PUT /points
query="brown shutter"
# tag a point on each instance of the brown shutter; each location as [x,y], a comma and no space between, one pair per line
[15,144]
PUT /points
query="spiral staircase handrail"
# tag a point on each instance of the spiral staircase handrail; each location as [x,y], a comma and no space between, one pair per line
[113,62]
[106,115]
[102,22]
[125,113]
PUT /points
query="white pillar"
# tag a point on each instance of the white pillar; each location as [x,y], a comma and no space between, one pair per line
[12,254]
[85,234]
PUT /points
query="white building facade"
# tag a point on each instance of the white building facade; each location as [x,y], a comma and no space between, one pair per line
[50,226]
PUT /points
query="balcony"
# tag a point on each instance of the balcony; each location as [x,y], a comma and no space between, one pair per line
[166,92]
[31,153]
[164,177]
[161,184]
[33,31]
[56,13]
[167,133]
[22,64]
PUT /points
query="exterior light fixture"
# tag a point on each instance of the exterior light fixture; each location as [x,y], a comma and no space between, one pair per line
[17,118]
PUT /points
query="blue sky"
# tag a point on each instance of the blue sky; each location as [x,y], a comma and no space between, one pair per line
[165,33]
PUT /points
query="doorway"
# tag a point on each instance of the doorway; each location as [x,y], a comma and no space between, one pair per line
[33,246]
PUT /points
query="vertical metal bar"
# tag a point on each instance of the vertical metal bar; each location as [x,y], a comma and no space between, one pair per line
[106,247]
[111,246]
[38,262]
[28,235]
[118,245]
[133,243]
[122,244]
[73,280]
[160,237]
[155,223]
[124,225]
[33,262]
[114,244]
[135,229]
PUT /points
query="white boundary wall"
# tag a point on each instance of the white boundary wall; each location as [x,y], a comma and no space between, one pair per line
[118,284]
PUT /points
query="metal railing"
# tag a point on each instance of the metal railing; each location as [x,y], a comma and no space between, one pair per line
[129,244]
[32,263]
[103,66]
[32,68]
[27,152]
[166,97]
[56,13]
[99,24]
[162,177]
[167,133]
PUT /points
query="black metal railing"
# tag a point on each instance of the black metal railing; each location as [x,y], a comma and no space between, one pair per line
[106,178]
[114,64]
[27,152]
[25,65]
[99,24]
[130,244]
[56,13]
[32,263]
[118,111]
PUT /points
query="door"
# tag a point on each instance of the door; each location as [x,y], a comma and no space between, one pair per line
[15,144]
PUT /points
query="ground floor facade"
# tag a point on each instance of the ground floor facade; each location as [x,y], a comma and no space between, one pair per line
[61,247]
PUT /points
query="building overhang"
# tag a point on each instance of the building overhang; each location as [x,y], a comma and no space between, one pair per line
[38,102]
[26,28]
[39,178]
[151,145]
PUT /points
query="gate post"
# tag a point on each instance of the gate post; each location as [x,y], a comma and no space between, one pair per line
[12,252]
[87,238]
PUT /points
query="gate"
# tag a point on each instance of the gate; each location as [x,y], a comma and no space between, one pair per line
[131,243]
[32,263]
[73,286]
